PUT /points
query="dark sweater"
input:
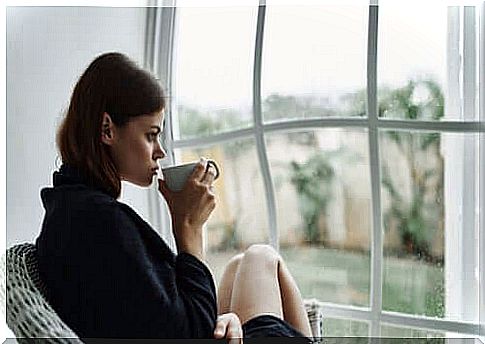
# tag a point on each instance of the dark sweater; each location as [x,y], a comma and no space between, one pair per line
[110,275]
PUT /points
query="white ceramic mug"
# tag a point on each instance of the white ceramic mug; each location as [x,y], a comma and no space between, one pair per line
[176,176]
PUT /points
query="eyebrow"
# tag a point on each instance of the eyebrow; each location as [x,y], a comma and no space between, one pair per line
[156,127]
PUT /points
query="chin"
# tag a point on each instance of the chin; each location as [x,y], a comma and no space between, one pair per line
[144,183]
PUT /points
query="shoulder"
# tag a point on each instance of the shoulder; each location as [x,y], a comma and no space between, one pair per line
[99,206]
[79,205]
[77,194]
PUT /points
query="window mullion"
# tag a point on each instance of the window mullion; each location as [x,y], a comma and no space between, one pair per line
[151,43]
[155,63]
[373,124]
[310,124]
[171,130]
[214,139]
[469,63]
[159,56]
[359,122]
[481,235]
[469,254]
[453,173]
[376,242]
[259,129]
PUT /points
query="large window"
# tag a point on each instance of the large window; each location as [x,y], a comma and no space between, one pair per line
[350,138]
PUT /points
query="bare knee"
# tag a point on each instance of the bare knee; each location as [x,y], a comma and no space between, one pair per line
[234,263]
[262,249]
[256,288]
[262,255]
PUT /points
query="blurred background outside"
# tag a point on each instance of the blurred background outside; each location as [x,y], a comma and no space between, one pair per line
[321,176]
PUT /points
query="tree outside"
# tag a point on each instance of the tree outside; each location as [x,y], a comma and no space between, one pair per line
[414,212]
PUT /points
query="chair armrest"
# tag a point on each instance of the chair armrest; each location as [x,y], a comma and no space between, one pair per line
[315,316]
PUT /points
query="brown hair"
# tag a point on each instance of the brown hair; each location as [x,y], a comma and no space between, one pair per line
[114,84]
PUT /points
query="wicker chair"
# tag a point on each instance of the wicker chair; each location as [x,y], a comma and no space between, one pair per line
[29,315]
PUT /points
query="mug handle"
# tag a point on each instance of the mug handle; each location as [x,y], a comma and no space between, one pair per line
[213,164]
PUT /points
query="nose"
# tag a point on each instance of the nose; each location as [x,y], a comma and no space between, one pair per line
[159,152]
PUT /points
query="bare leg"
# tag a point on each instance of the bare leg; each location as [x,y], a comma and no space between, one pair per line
[293,307]
[256,290]
[264,285]
[224,291]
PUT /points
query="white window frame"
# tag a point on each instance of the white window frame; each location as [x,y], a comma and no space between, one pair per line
[460,211]
[162,18]
[481,221]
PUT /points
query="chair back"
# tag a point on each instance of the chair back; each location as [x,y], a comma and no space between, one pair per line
[28,312]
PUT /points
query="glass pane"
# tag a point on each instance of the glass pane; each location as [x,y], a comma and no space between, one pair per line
[420,61]
[322,190]
[314,61]
[429,197]
[213,69]
[240,217]
[337,327]
[409,332]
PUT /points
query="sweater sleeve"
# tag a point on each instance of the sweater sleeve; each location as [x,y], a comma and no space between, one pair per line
[196,288]
[133,291]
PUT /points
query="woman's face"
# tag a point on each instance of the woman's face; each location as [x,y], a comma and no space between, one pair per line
[135,148]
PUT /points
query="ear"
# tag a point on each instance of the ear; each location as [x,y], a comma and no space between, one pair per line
[107,130]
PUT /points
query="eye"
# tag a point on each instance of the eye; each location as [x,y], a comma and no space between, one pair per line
[152,136]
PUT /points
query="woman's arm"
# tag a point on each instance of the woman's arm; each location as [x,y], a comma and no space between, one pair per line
[121,285]
[181,298]
[190,208]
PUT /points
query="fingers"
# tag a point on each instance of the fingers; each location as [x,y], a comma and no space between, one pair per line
[229,326]
[220,330]
[199,170]
[234,333]
[206,171]
[210,175]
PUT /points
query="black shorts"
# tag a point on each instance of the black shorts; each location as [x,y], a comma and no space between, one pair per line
[272,326]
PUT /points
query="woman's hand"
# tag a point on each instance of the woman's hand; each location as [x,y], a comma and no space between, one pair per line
[229,326]
[190,208]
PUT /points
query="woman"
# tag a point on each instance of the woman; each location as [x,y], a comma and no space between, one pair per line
[108,273]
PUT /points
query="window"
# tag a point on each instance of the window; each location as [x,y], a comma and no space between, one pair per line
[350,138]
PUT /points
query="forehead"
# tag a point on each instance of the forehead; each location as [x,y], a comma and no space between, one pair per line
[148,120]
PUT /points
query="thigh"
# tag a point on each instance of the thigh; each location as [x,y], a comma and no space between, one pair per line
[256,289]
[224,289]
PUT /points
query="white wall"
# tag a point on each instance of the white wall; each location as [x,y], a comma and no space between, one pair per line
[48,48]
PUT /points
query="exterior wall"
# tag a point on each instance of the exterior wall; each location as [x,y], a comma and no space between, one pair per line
[348,224]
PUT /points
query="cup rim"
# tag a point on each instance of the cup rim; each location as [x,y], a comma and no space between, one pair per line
[210,162]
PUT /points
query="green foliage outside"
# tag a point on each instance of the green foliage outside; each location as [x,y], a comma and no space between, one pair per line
[416,215]
[277,107]
[197,123]
[415,218]
[313,182]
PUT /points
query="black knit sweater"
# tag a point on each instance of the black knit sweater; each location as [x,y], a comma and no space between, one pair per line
[110,275]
